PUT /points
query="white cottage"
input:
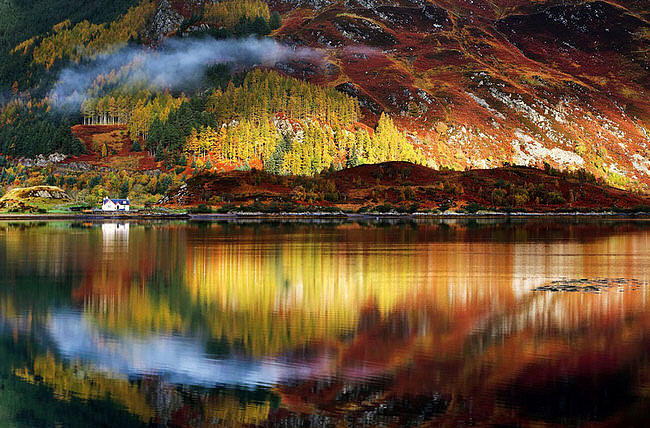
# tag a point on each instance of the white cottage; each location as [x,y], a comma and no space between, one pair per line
[116,205]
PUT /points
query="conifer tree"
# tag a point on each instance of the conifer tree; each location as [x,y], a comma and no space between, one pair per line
[275,21]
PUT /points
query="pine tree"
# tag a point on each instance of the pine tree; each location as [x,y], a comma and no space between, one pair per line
[275,21]
[353,159]
[124,189]
[160,153]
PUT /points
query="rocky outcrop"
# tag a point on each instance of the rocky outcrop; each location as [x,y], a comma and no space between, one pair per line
[316,4]
[43,160]
[165,21]
[24,198]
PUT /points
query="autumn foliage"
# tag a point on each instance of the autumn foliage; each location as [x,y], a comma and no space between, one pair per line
[86,40]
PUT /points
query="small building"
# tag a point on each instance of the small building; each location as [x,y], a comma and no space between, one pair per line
[116,205]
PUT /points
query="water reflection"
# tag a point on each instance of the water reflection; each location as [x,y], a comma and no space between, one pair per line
[187,324]
[176,359]
[115,234]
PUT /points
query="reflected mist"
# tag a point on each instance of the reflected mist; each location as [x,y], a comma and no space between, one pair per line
[186,324]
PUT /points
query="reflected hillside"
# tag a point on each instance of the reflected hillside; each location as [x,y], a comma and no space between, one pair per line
[267,289]
[271,324]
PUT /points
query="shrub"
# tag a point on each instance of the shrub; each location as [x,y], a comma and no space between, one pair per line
[455,189]
[500,183]
[273,207]
[498,196]
[473,208]
[555,198]
[384,208]
[332,196]
[202,209]
[409,194]
[521,198]
[328,209]
[228,208]
[288,207]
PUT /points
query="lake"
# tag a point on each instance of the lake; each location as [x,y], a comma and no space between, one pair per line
[447,322]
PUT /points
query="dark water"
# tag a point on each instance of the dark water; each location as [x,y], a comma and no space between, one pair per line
[325,324]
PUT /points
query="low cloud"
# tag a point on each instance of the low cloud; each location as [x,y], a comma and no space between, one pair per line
[178,64]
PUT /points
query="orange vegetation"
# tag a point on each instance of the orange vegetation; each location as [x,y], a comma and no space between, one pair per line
[110,146]
[404,184]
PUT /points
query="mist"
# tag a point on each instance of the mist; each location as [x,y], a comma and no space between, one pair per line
[177,65]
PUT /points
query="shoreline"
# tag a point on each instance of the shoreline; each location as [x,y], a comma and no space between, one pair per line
[91,217]
[312,216]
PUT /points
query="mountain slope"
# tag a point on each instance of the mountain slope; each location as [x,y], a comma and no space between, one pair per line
[23,19]
[476,83]
[483,82]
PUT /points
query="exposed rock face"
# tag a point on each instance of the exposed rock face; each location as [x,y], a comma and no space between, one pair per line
[78,166]
[165,21]
[316,4]
[364,101]
[43,160]
[49,193]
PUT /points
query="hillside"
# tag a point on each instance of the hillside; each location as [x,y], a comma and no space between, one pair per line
[400,186]
[482,82]
[33,198]
[110,146]
[295,87]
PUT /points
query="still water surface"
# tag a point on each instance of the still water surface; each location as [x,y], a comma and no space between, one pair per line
[351,324]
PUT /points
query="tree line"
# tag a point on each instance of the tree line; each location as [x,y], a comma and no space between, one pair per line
[264,93]
[23,20]
[137,110]
[234,18]
[228,13]
[28,129]
[288,125]
[312,148]
[85,40]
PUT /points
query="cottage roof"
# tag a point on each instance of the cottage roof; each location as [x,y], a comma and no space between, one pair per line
[118,201]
